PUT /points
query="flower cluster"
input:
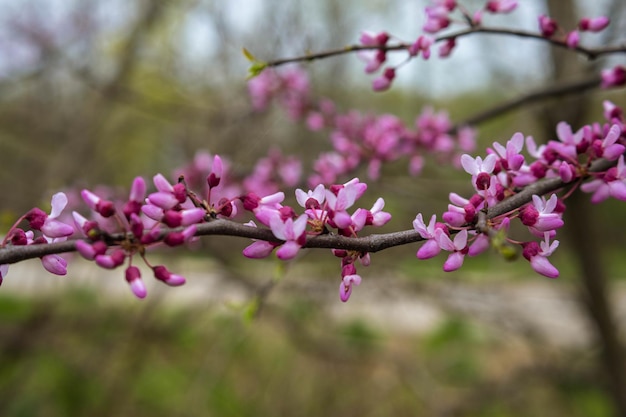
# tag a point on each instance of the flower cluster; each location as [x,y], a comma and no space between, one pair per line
[324,209]
[42,228]
[505,171]
[115,233]
[439,16]
[358,139]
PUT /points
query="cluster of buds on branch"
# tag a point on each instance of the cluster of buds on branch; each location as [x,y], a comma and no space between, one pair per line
[509,185]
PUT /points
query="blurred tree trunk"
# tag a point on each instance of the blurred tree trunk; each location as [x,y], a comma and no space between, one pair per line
[586,246]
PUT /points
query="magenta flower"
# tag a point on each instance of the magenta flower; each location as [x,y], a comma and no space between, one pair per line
[540,216]
[547,26]
[437,18]
[164,275]
[54,264]
[259,248]
[613,77]
[593,24]
[423,44]
[311,199]
[608,148]
[292,232]
[511,159]
[572,39]
[430,248]
[479,170]
[374,39]
[458,247]
[538,256]
[345,288]
[501,6]
[53,228]
[383,82]
[610,184]
[133,277]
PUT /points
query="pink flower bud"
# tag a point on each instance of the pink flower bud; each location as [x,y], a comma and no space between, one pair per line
[595,24]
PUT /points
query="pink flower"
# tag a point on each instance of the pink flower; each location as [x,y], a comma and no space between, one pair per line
[259,248]
[610,184]
[383,82]
[133,277]
[53,228]
[437,17]
[54,264]
[511,159]
[593,24]
[547,26]
[538,256]
[345,288]
[292,232]
[162,274]
[479,169]
[430,248]
[458,247]
[423,43]
[572,39]
[501,6]
[613,77]
[540,216]
[374,39]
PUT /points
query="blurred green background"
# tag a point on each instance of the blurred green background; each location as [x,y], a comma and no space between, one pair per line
[99,92]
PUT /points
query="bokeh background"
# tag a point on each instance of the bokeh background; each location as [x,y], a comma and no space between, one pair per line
[94,93]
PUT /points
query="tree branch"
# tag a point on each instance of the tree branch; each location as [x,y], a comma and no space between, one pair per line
[371,243]
[590,53]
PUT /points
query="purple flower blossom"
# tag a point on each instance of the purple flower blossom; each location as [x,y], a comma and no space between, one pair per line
[540,216]
[538,256]
[164,275]
[610,184]
[501,6]
[133,277]
[292,232]
[613,77]
[431,247]
[511,159]
[345,288]
[593,24]
[54,264]
[458,247]
[479,170]
[547,26]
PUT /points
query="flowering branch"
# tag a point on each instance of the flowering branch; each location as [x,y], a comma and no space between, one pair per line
[371,243]
[590,53]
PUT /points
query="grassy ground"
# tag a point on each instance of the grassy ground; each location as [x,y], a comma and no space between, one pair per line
[81,355]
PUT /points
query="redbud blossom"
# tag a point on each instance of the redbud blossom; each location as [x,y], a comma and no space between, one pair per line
[105,208]
[572,39]
[133,277]
[547,26]
[345,288]
[501,6]
[54,264]
[383,82]
[594,24]
[292,232]
[538,256]
[162,274]
[458,247]
[614,77]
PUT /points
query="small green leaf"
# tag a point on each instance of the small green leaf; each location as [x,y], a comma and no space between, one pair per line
[256,68]
[248,55]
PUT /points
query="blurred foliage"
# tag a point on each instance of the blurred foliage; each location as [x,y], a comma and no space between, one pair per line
[126,100]
[87,357]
